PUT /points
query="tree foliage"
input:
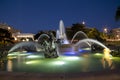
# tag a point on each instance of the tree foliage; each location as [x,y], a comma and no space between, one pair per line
[36,36]
[91,32]
[78,27]
[5,36]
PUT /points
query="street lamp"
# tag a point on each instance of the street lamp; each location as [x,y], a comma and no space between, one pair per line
[117,36]
[9,28]
[105,30]
[83,22]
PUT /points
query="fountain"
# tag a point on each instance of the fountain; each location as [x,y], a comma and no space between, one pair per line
[58,55]
[107,58]
[79,32]
[48,43]
[61,33]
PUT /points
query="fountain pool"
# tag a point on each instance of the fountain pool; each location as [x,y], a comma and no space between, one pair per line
[83,62]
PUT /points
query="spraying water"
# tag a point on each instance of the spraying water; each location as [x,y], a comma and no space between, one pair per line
[62,29]
[61,33]
[42,35]
[30,45]
[107,59]
[57,34]
[90,40]
[79,32]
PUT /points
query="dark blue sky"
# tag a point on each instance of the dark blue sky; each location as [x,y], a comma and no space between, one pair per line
[35,15]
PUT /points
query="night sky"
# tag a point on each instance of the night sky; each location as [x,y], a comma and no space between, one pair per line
[34,15]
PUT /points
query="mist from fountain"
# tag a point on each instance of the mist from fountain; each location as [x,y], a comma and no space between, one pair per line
[43,35]
[26,45]
[57,34]
[90,40]
[61,34]
[82,33]
[79,32]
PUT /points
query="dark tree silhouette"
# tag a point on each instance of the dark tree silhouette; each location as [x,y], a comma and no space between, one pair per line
[5,36]
[38,34]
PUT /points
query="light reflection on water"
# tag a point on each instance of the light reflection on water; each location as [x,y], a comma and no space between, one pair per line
[9,65]
[35,62]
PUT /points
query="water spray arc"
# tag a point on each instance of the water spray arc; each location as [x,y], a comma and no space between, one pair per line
[61,34]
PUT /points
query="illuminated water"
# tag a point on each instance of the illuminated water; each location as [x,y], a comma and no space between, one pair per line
[79,33]
[26,45]
[61,34]
[43,35]
[90,40]
[35,62]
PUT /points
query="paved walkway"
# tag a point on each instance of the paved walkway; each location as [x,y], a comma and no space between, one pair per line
[106,75]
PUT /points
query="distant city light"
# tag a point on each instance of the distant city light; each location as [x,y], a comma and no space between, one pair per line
[117,36]
[9,28]
[27,39]
[83,22]
[105,30]
[15,39]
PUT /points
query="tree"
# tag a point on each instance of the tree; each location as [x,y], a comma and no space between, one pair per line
[103,35]
[36,36]
[5,36]
[94,34]
[77,27]
[117,16]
